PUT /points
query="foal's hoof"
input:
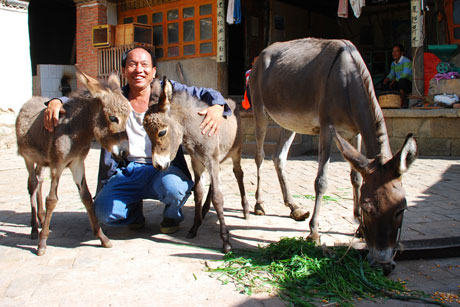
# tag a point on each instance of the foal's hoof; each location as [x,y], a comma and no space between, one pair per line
[41,251]
[247,215]
[314,238]
[300,214]
[259,209]
[106,244]
[227,247]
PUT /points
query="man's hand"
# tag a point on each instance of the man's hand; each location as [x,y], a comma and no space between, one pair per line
[52,112]
[212,120]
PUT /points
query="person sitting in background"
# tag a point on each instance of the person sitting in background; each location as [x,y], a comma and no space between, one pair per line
[246,103]
[400,76]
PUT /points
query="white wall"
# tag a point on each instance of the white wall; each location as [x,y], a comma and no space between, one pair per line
[15,66]
[48,79]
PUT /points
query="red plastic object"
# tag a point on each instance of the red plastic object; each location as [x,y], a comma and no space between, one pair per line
[430,60]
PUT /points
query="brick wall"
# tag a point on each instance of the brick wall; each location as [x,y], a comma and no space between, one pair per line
[89,14]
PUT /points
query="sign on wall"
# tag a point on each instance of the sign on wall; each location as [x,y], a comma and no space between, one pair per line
[416,23]
[221,31]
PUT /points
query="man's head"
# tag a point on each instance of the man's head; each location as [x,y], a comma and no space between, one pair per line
[397,51]
[139,68]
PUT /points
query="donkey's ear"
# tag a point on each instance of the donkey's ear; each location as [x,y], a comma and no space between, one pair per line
[93,85]
[114,81]
[155,91]
[165,96]
[357,160]
[403,159]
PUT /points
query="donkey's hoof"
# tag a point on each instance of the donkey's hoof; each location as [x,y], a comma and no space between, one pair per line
[259,209]
[300,214]
[191,235]
[41,251]
[247,215]
[315,238]
[227,247]
[107,244]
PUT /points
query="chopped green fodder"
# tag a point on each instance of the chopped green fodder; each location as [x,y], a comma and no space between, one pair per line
[303,274]
[326,198]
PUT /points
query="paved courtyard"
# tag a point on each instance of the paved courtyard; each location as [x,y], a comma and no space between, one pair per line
[147,268]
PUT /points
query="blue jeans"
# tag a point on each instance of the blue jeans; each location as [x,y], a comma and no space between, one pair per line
[118,201]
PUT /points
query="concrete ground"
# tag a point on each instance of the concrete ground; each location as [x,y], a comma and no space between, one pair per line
[147,268]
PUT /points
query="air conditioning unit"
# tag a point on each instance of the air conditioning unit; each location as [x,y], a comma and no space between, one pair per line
[103,36]
[132,33]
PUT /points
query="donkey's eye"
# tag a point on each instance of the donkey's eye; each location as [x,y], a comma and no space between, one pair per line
[113,119]
[162,133]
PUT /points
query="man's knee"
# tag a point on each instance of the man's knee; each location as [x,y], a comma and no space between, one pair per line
[175,187]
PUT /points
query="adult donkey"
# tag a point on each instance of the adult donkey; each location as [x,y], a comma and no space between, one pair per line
[173,121]
[98,112]
[308,86]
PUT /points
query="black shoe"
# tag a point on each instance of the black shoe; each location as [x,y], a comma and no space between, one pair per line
[169,226]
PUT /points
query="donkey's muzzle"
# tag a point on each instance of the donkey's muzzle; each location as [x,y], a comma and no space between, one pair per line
[161,162]
[120,151]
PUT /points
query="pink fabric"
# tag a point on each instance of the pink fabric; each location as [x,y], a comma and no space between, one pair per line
[343,9]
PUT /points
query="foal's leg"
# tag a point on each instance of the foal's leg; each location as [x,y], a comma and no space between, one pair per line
[279,159]
[356,182]
[198,170]
[32,186]
[78,172]
[261,121]
[325,139]
[51,201]
[41,210]
[238,172]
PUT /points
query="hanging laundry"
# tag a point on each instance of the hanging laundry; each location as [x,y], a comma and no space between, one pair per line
[237,12]
[230,11]
[357,6]
[343,9]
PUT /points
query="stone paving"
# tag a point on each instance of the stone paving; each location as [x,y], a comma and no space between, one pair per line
[149,268]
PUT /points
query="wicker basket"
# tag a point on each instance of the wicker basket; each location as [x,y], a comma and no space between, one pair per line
[391,101]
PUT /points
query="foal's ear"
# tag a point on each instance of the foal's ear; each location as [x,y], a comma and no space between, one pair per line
[93,85]
[165,96]
[357,160]
[114,81]
[155,91]
[403,159]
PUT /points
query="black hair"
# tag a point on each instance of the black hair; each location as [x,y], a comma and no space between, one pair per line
[400,46]
[150,51]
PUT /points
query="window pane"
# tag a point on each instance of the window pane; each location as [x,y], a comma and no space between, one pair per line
[189,49]
[205,28]
[158,35]
[157,17]
[158,53]
[189,12]
[205,9]
[189,31]
[142,19]
[128,20]
[206,48]
[173,33]
[173,14]
[173,51]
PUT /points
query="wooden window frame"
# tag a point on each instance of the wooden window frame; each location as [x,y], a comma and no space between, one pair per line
[180,6]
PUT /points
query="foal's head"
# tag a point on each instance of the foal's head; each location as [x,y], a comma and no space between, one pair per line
[161,127]
[382,200]
[110,122]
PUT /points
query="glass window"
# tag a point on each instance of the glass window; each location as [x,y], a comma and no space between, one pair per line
[205,9]
[206,48]
[189,49]
[173,51]
[188,12]
[158,35]
[173,33]
[189,31]
[128,20]
[173,14]
[142,19]
[158,53]
[205,28]
[157,17]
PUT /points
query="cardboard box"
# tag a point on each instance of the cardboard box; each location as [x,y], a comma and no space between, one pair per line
[133,33]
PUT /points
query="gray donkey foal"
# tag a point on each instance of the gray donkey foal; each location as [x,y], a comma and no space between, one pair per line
[175,121]
[99,112]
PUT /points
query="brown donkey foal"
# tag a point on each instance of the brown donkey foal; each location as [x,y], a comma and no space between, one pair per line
[100,111]
[175,121]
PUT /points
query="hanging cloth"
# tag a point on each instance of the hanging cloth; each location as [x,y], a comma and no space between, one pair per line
[357,6]
[237,12]
[230,11]
[343,9]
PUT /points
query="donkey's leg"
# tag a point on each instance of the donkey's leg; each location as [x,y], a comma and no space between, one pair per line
[239,175]
[261,121]
[41,210]
[279,159]
[78,172]
[325,139]
[198,170]
[218,202]
[32,186]
[207,203]
[356,182]
[51,201]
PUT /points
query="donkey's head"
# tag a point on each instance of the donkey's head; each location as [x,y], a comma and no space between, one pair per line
[110,122]
[161,127]
[382,198]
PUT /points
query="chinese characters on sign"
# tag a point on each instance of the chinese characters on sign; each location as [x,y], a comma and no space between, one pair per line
[220,31]
[416,24]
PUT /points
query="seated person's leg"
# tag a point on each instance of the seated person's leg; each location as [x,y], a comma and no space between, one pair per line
[120,200]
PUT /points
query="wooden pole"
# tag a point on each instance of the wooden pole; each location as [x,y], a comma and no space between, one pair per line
[417,37]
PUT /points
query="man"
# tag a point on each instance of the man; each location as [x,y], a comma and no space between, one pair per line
[122,186]
[400,76]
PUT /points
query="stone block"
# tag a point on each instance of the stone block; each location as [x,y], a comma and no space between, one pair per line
[455,147]
[420,127]
[434,146]
[389,125]
[445,128]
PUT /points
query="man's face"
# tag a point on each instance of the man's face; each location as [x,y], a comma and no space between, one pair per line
[396,53]
[139,70]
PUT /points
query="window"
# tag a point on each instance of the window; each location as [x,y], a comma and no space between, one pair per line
[179,31]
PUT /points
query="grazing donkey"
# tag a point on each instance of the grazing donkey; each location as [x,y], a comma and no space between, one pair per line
[98,112]
[309,85]
[174,121]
